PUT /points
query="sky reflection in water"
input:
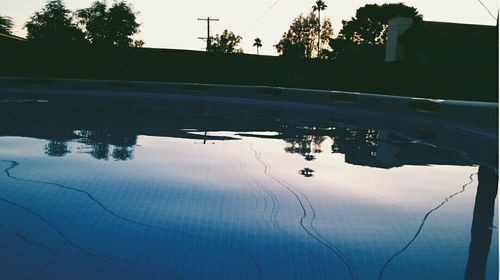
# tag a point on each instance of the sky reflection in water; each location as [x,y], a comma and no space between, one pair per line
[214,196]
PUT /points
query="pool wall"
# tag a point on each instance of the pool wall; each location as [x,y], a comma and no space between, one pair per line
[469,113]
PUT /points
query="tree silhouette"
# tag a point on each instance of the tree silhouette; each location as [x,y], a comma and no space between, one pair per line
[300,39]
[54,26]
[6,25]
[94,19]
[368,29]
[122,152]
[307,172]
[369,26]
[258,44]
[56,148]
[226,43]
[138,44]
[99,150]
[319,6]
[304,144]
[101,141]
[109,26]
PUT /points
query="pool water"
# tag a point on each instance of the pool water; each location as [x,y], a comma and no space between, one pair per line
[209,191]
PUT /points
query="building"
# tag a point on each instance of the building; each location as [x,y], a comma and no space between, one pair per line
[7,39]
[447,59]
[433,42]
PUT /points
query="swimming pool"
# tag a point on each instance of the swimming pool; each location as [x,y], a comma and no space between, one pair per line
[205,187]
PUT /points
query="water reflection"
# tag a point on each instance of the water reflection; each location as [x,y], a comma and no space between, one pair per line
[307,172]
[365,147]
[422,224]
[482,223]
[111,132]
[103,144]
[56,148]
[299,141]
[360,147]
[324,224]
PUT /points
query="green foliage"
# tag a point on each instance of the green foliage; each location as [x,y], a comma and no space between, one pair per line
[300,40]
[227,42]
[54,26]
[6,25]
[111,26]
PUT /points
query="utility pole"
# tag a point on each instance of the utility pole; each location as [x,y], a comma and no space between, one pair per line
[208,20]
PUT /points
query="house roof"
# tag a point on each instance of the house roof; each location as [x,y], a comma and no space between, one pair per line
[12,37]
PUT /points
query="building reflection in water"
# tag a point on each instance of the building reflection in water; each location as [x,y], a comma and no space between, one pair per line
[367,147]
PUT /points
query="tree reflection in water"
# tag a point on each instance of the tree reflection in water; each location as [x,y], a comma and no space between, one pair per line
[98,144]
[56,148]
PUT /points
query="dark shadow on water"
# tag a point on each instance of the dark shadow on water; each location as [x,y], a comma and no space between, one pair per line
[482,223]
[481,232]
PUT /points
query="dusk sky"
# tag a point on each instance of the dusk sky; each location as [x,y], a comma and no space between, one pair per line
[173,23]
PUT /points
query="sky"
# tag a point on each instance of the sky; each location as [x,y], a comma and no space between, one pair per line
[173,23]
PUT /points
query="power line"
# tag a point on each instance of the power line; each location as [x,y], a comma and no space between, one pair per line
[488,10]
[262,16]
[208,38]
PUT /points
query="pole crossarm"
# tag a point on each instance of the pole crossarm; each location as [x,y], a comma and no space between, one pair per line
[208,38]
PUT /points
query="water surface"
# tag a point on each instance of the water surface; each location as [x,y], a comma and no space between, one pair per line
[199,191]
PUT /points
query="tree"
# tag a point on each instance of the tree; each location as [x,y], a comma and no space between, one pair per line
[54,26]
[6,25]
[56,148]
[369,26]
[364,36]
[257,44]
[138,44]
[94,20]
[300,39]
[319,6]
[341,49]
[109,26]
[226,43]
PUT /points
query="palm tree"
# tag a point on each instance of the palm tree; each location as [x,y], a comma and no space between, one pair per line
[319,6]
[6,24]
[258,44]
